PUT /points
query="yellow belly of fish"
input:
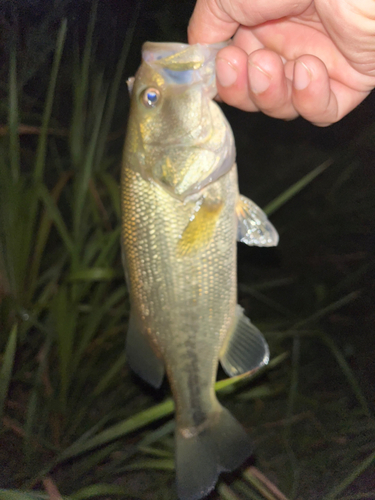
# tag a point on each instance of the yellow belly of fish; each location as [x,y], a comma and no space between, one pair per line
[184,300]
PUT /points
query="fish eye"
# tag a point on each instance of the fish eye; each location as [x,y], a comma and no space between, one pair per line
[150,97]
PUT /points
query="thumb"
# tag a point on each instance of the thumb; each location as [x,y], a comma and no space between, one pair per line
[216,21]
[210,24]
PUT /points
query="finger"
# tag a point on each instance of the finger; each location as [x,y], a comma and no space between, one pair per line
[216,21]
[269,89]
[210,24]
[232,78]
[255,82]
[316,97]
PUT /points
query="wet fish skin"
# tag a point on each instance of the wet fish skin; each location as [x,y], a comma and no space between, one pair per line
[180,221]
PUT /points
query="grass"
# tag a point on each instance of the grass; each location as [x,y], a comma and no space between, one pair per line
[78,423]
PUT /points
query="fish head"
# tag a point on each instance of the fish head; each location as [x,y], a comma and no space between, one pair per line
[177,136]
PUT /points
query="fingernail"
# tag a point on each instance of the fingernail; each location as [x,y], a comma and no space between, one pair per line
[302,76]
[258,78]
[225,72]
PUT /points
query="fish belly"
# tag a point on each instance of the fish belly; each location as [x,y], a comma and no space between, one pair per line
[185,304]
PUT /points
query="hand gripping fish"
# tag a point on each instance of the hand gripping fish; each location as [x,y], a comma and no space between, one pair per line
[181,216]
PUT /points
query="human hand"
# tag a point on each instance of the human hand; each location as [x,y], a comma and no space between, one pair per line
[288,58]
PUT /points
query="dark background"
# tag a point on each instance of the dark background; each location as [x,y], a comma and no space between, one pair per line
[326,250]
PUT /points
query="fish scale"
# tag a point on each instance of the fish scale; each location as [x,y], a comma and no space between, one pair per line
[173,294]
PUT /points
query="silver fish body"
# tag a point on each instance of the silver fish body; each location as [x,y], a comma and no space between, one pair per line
[182,214]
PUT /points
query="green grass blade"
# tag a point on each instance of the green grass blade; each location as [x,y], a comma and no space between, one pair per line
[230,384]
[93,460]
[155,464]
[263,485]
[87,51]
[99,490]
[337,491]
[116,431]
[22,495]
[272,304]
[43,233]
[29,197]
[121,429]
[321,313]
[140,420]
[14,143]
[112,187]
[287,195]
[156,435]
[110,248]
[6,369]
[117,79]
[93,274]
[359,496]
[246,491]
[42,142]
[83,178]
[109,376]
[81,83]
[93,430]
[155,452]
[262,392]
[55,214]
[65,316]
[225,492]
[93,322]
[15,202]
[348,374]
[293,390]
[334,349]
[33,407]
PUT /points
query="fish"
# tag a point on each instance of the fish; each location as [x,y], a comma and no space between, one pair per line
[181,217]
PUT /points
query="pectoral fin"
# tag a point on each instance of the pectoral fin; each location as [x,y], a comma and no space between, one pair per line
[199,232]
[245,349]
[141,357]
[254,228]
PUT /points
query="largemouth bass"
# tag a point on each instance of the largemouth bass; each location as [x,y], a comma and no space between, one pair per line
[181,216]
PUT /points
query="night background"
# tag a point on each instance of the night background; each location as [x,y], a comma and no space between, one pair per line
[75,423]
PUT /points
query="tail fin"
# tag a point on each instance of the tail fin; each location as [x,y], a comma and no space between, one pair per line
[222,445]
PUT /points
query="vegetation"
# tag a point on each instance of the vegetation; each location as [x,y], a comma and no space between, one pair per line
[74,422]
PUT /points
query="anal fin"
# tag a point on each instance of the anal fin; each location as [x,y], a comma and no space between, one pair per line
[245,349]
[141,357]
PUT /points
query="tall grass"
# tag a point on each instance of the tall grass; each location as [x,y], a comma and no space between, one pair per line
[80,422]
[57,266]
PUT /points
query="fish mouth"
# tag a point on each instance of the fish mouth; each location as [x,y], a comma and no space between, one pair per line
[181,63]
[173,54]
